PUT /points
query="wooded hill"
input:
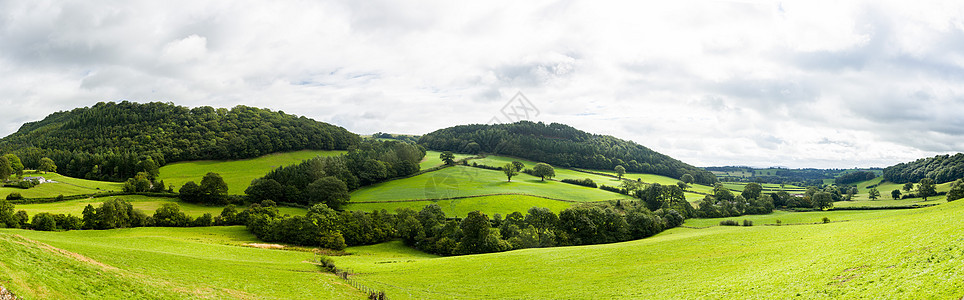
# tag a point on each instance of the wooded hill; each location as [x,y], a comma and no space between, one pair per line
[560,145]
[114,141]
[941,168]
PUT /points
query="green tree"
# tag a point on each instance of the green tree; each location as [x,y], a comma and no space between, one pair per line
[213,189]
[908,186]
[620,171]
[822,200]
[895,194]
[150,167]
[265,189]
[47,165]
[328,190]
[687,178]
[7,219]
[682,185]
[722,193]
[43,222]
[170,215]
[15,163]
[519,166]
[509,170]
[5,169]
[447,157]
[190,192]
[926,188]
[752,190]
[543,170]
[874,194]
[957,190]
[475,229]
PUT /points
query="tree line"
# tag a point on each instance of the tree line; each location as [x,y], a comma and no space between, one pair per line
[560,145]
[115,141]
[941,169]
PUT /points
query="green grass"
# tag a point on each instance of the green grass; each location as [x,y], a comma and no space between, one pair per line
[63,185]
[461,181]
[431,159]
[878,254]
[161,263]
[501,204]
[238,174]
[146,204]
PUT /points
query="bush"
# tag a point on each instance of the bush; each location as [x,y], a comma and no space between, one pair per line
[779,222]
[14,196]
[614,189]
[583,182]
[826,220]
[747,222]
[729,223]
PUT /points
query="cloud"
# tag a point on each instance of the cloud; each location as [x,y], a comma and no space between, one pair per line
[795,83]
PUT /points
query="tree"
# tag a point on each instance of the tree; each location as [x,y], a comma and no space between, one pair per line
[926,188]
[721,193]
[43,222]
[519,166]
[686,178]
[509,170]
[265,189]
[752,190]
[543,170]
[47,165]
[908,186]
[895,194]
[7,219]
[213,189]
[682,185]
[5,169]
[447,157]
[620,171]
[957,190]
[189,192]
[15,163]
[874,194]
[328,190]
[170,215]
[822,200]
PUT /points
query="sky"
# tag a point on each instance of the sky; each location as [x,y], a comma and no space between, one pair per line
[822,84]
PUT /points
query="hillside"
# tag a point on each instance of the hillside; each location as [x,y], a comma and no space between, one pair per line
[113,141]
[560,145]
[941,168]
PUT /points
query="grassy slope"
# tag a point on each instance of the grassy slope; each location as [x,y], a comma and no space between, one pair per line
[162,263]
[894,254]
[64,186]
[467,181]
[432,159]
[238,174]
[501,204]
[146,204]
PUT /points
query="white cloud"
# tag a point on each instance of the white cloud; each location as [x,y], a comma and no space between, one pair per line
[794,83]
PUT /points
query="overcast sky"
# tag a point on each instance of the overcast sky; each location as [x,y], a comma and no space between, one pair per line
[798,84]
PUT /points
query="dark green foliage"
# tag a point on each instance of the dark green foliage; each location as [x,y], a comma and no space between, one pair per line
[686,178]
[941,169]
[46,165]
[170,215]
[265,189]
[583,182]
[371,162]
[510,170]
[620,171]
[190,192]
[543,171]
[15,163]
[957,190]
[873,194]
[7,217]
[896,194]
[43,222]
[561,145]
[5,169]
[854,177]
[729,223]
[752,190]
[822,200]
[908,186]
[826,220]
[519,166]
[747,222]
[926,188]
[114,141]
[328,190]
[213,189]
[447,157]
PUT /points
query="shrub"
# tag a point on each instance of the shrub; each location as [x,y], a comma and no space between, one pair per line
[14,196]
[729,223]
[583,182]
[779,222]
[826,220]
[614,189]
[747,222]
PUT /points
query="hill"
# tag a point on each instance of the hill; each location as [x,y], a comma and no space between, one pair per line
[113,141]
[560,145]
[941,168]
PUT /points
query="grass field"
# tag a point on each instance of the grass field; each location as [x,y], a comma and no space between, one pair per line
[880,254]
[159,263]
[461,181]
[146,204]
[238,174]
[63,186]
[501,204]
[432,159]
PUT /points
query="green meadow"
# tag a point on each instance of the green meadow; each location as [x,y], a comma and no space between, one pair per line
[898,254]
[432,159]
[62,185]
[159,263]
[144,203]
[462,181]
[238,174]
[496,204]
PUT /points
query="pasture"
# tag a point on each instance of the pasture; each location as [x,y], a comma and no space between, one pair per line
[159,263]
[495,204]
[63,185]
[432,159]
[238,174]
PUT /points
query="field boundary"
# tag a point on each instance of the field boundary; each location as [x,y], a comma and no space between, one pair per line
[87,196]
[476,196]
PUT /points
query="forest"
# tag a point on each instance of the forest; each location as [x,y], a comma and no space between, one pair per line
[115,141]
[560,145]
[941,168]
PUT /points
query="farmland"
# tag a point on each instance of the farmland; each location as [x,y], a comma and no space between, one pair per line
[62,185]
[238,174]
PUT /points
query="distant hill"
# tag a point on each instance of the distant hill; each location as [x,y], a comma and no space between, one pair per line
[113,141]
[941,168]
[560,145]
